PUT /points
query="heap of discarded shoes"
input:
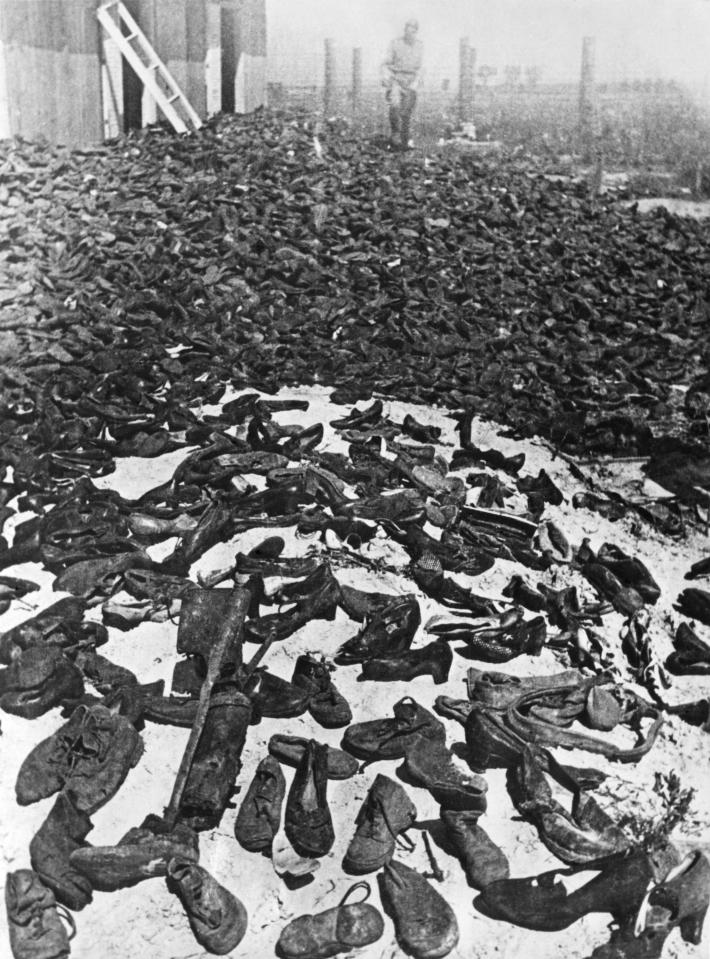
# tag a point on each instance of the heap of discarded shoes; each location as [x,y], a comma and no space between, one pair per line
[95,542]
[131,377]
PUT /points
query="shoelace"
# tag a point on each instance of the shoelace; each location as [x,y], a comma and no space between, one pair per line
[194,885]
[369,816]
[88,743]
[35,919]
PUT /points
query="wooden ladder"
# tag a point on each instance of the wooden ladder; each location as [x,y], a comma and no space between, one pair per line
[148,66]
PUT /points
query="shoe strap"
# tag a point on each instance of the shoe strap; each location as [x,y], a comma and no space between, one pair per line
[644,909]
[64,914]
[358,885]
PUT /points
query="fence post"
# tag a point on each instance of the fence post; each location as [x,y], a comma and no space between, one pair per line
[587,104]
[329,86]
[357,81]
[213,58]
[467,61]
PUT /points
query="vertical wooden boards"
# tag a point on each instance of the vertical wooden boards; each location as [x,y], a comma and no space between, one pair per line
[52,69]
[213,58]
[112,87]
[246,22]
[195,87]
[5,129]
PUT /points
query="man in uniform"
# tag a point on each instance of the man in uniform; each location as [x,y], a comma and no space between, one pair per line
[400,75]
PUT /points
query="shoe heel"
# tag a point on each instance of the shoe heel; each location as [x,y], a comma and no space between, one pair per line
[442,664]
[691,927]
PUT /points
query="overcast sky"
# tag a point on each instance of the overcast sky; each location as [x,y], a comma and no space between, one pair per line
[634,38]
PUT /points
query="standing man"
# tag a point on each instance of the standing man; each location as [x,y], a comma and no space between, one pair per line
[400,76]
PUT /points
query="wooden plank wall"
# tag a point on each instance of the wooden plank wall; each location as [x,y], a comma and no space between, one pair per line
[244,52]
[52,69]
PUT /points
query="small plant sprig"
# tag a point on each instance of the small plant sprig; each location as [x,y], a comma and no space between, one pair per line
[653,833]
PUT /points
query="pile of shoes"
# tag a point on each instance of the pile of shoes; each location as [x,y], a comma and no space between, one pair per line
[102,550]
[375,272]
[139,374]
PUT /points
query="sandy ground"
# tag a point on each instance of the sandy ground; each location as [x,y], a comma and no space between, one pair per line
[147,921]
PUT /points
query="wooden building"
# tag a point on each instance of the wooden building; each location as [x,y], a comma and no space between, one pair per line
[61,80]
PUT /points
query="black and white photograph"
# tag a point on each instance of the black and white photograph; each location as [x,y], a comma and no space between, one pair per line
[355,479]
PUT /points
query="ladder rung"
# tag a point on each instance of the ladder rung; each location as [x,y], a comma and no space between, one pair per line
[173,98]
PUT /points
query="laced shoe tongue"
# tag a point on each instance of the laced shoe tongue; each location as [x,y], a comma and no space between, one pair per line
[405,713]
[211,916]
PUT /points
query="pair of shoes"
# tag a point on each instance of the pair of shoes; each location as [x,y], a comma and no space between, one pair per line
[342,928]
[89,757]
[387,633]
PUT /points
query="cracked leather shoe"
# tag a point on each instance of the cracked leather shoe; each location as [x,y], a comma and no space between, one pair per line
[424,922]
[431,765]
[144,852]
[259,815]
[690,656]
[217,918]
[275,697]
[343,928]
[433,660]
[308,822]
[33,918]
[38,679]
[386,812]
[89,757]
[391,738]
[63,832]
[326,704]
[388,633]
[543,902]
[290,750]
[482,861]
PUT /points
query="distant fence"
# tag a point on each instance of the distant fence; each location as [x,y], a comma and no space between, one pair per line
[639,122]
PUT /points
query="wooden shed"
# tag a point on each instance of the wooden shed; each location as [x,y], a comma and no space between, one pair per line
[60,79]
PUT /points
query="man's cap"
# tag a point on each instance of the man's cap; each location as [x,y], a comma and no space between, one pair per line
[412,23]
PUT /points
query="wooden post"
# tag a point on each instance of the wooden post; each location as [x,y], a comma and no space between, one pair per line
[587,99]
[5,127]
[329,84]
[111,87]
[357,81]
[467,64]
[213,58]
